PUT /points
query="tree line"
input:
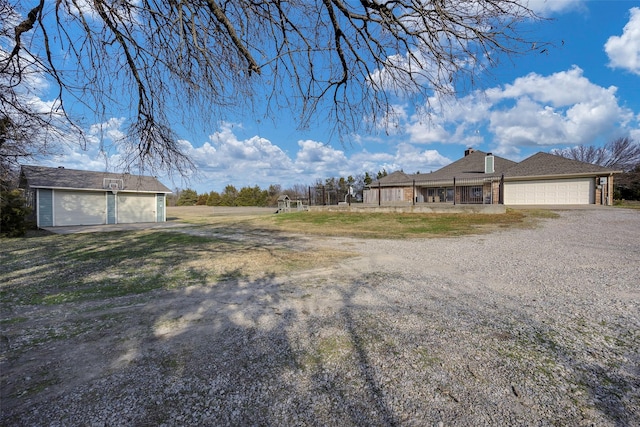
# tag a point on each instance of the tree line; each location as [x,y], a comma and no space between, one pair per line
[327,191]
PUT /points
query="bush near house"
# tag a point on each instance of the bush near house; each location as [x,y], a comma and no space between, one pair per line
[13,212]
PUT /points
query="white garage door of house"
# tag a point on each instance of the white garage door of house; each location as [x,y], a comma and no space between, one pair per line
[576,191]
[78,208]
[136,207]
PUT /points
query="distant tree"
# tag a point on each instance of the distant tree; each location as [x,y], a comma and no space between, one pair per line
[348,59]
[228,196]
[382,174]
[187,197]
[214,199]
[298,192]
[274,192]
[627,185]
[251,196]
[367,178]
[202,199]
[172,199]
[622,154]
[358,186]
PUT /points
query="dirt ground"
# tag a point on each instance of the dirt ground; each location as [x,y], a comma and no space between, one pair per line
[405,333]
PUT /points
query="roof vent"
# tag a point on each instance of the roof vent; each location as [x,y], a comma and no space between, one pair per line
[489,163]
[60,167]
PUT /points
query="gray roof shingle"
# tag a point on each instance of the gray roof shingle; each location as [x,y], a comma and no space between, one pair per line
[395,178]
[545,164]
[62,178]
[470,166]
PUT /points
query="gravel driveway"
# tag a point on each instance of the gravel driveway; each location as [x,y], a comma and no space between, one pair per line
[519,327]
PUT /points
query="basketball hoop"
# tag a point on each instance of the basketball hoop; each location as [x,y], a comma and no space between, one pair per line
[113,186]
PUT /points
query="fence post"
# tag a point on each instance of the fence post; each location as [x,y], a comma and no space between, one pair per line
[379,193]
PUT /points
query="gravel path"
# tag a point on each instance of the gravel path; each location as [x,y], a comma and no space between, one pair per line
[519,327]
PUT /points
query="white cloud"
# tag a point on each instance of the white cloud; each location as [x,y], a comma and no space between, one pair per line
[563,108]
[553,6]
[624,50]
[110,129]
[319,159]
[559,89]
[449,121]
[412,160]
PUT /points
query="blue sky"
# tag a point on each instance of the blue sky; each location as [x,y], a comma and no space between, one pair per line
[584,90]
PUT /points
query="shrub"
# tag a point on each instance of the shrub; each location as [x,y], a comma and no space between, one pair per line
[13,212]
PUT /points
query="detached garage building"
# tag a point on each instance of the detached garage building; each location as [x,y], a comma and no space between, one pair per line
[63,197]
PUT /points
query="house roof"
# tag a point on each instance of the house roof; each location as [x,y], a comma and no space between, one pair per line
[394,178]
[62,178]
[545,164]
[470,166]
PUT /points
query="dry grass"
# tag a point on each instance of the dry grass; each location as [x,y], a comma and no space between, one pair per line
[367,225]
[628,204]
[58,269]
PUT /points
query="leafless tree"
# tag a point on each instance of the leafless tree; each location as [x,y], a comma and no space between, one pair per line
[163,63]
[621,153]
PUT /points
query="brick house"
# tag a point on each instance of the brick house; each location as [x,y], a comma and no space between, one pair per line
[483,178]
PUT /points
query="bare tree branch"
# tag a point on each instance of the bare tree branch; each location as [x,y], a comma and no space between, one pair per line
[162,64]
[621,154]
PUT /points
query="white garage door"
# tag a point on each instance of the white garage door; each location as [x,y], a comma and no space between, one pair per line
[576,191]
[78,208]
[135,207]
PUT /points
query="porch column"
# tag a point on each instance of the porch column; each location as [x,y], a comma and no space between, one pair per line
[413,196]
[454,190]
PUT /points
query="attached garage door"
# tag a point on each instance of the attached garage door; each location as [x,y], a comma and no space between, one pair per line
[576,191]
[136,207]
[78,208]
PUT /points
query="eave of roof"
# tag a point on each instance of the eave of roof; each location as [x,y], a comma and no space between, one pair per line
[97,189]
[559,176]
